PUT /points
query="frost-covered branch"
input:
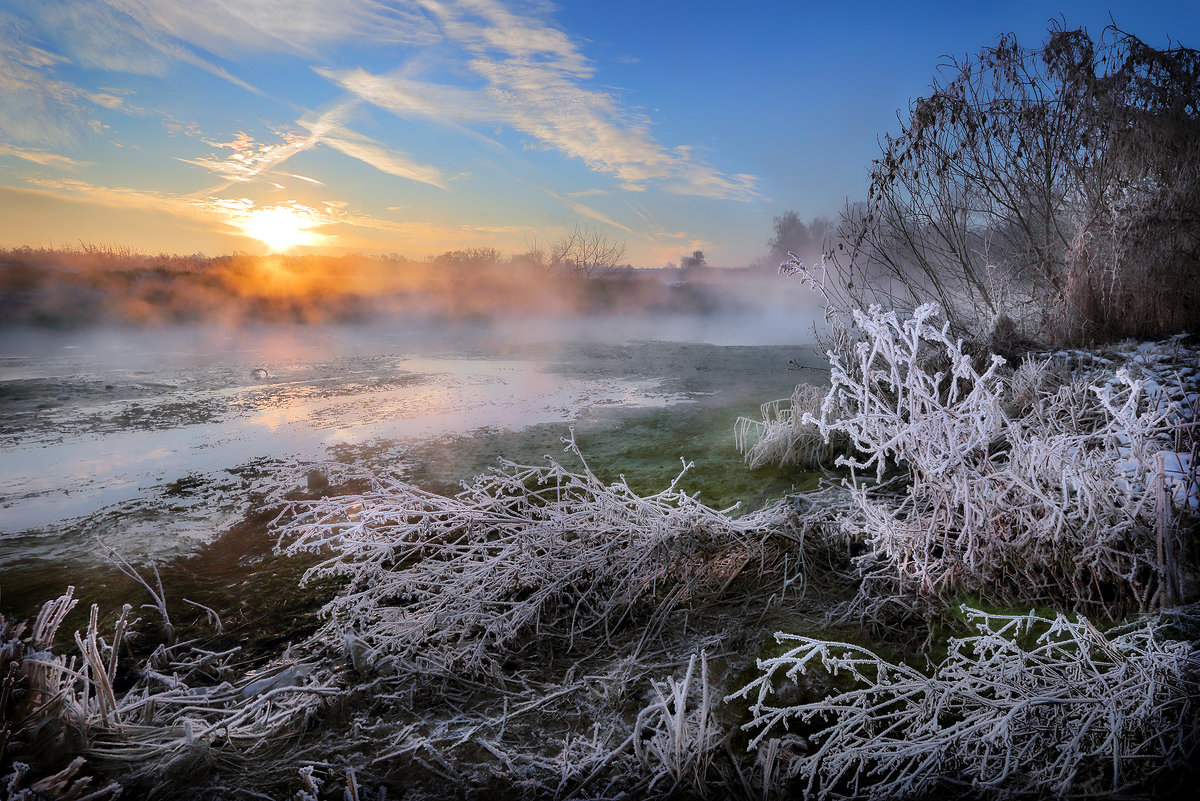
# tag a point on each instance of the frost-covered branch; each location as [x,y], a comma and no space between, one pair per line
[1028,705]
[524,554]
[1031,483]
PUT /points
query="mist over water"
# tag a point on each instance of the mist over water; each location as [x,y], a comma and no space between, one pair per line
[154,440]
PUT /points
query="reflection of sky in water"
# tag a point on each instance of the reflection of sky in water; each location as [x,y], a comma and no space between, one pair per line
[43,482]
[190,406]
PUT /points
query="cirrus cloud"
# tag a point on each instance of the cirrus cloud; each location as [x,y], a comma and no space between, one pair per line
[534,83]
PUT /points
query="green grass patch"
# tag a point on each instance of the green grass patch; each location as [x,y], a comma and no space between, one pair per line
[646,448]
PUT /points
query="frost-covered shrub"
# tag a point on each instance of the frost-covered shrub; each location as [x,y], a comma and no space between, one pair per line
[1015,484]
[1028,706]
[524,556]
[891,404]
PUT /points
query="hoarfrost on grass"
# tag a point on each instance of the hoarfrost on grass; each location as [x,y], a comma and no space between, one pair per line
[1045,483]
[1029,705]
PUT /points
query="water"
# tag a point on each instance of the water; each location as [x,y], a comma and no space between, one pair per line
[154,442]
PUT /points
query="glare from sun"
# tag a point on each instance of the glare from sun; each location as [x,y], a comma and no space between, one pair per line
[281,227]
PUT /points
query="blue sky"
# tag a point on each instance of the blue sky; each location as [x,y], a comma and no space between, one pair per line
[419,127]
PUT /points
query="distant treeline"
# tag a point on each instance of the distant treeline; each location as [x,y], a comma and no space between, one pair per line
[103,285]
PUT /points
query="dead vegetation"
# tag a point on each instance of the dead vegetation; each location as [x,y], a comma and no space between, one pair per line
[526,557]
[1027,705]
[543,634]
[1044,483]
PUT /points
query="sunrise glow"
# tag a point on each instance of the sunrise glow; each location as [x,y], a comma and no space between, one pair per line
[281,228]
[452,398]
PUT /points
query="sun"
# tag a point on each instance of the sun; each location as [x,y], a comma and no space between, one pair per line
[282,227]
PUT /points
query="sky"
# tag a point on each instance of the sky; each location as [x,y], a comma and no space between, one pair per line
[216,126]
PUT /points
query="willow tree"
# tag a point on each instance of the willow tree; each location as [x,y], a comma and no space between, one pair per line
[1052,192]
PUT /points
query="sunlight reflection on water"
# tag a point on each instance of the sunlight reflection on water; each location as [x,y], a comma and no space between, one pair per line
[136,423]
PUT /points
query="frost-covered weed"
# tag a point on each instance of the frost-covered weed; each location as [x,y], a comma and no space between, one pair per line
[782,437]
[674,742]
[1029,705]
[1025,484]
[523,557]
[504,635]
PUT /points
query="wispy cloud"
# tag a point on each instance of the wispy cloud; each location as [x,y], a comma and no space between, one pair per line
[39,107]
[666,246]
[534,83]
[123,36]
[249,159]
[234,27]
[589,212]
[656,230]
[42,157]
[124,197]
[328,129]
[36,107]
[483,25]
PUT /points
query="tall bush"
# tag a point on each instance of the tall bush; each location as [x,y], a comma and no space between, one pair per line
[1051,192]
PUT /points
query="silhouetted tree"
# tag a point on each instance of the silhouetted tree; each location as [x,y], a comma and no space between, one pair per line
[793,235]
[586,252]
[693,261]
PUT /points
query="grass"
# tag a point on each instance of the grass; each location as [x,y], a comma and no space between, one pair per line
[646,448]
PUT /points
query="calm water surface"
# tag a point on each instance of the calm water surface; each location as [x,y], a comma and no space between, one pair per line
[153,442]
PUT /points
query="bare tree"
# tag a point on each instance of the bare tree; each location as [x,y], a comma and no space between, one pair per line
[535,258]
[586,252]
[1031,185]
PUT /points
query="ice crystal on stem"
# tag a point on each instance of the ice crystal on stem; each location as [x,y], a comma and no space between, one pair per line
[1030,704]
[523,555]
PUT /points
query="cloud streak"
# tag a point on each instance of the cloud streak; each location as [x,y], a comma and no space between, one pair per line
[249,159]
[230,28]
[534,83]
[589,212]
[42,157]
[37,108]
[119,36]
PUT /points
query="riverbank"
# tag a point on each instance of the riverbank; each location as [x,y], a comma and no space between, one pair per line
[552,631]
